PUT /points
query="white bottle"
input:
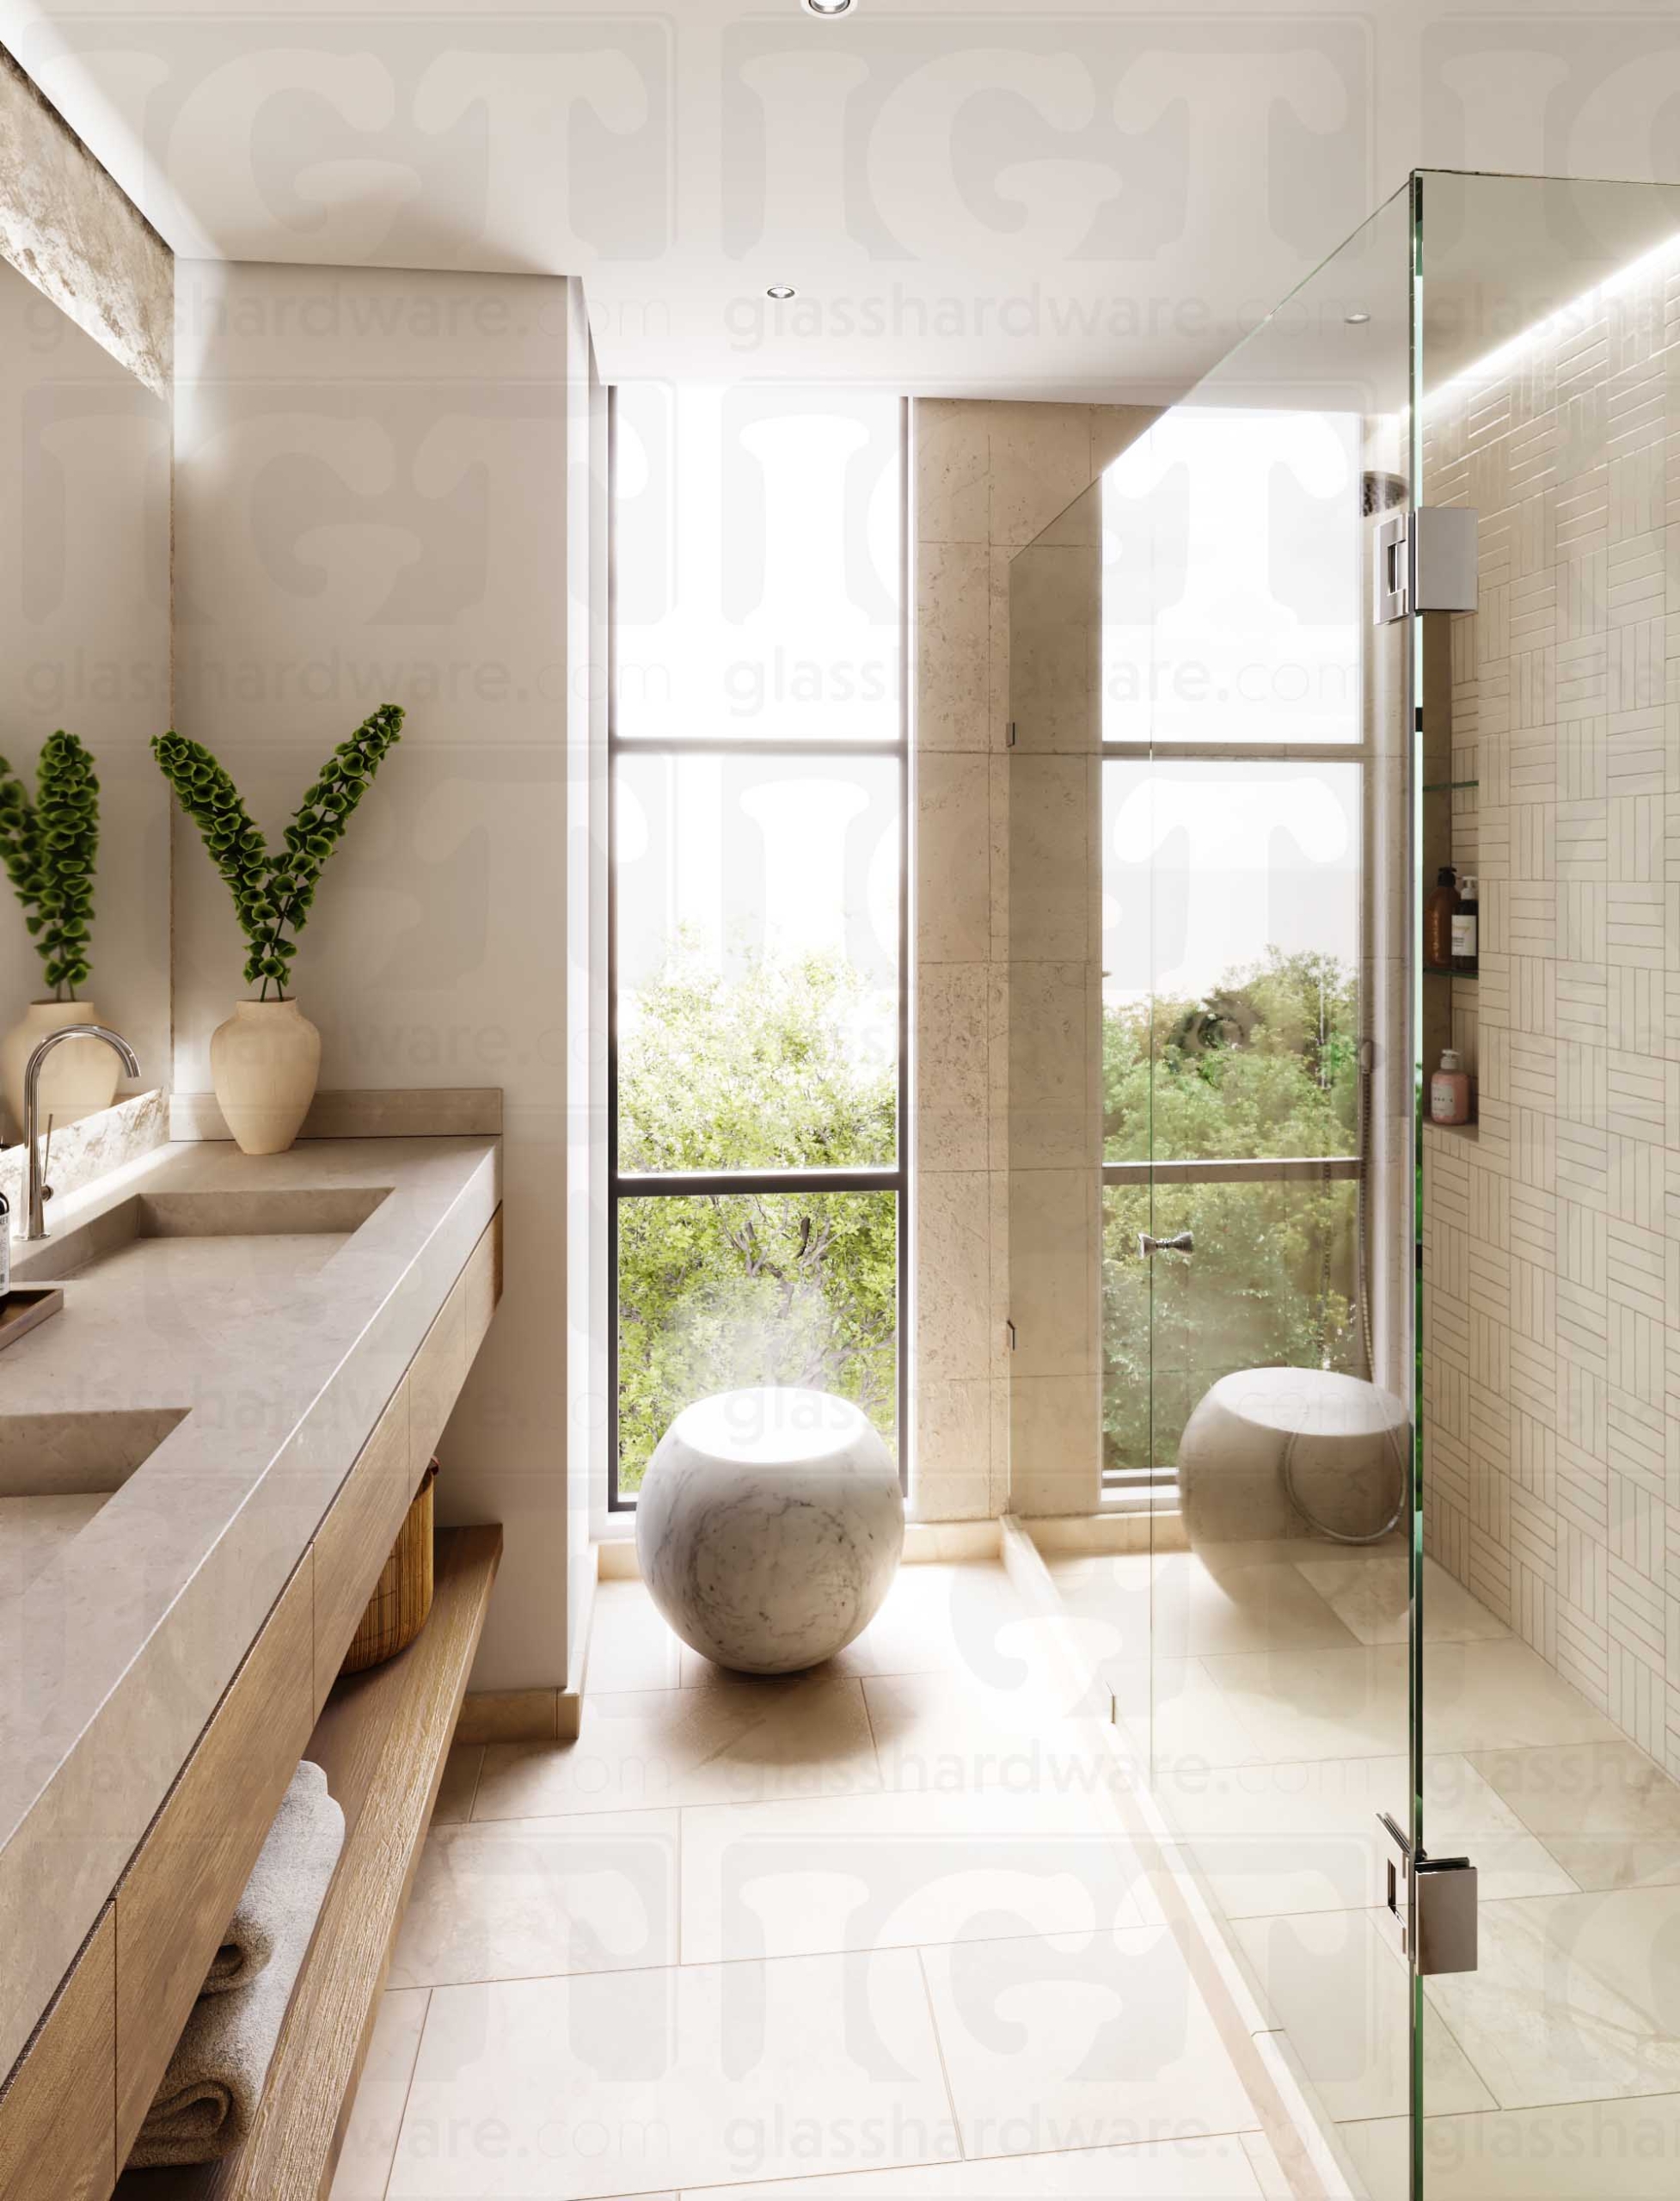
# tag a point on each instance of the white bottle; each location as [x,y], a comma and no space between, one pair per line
[1450,1090]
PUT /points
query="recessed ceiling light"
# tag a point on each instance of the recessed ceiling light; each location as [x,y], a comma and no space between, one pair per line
[827,7]
[1356,320]
[780,290]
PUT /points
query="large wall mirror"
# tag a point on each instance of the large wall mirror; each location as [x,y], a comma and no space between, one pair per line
[84,647]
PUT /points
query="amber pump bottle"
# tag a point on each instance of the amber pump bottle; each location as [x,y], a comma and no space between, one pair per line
[1438,911]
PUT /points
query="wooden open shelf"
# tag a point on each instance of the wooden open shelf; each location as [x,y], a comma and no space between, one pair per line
[382,1738]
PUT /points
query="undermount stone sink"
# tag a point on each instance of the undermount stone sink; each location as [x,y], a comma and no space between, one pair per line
[56,1470]
[303,1225]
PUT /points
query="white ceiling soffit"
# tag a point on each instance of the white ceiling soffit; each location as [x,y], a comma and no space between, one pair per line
[1039,201]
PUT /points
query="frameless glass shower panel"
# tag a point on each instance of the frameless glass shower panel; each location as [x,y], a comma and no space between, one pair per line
[1548,402]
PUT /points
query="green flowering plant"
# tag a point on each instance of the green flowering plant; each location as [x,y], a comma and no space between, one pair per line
[48,847]
[274,890]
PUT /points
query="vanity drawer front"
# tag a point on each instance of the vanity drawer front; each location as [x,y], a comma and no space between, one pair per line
[57,2108]
[354,1540]
[181,1885]
[440,1366]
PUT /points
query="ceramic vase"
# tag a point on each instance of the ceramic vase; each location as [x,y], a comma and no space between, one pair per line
[264,1063]
[77,1079]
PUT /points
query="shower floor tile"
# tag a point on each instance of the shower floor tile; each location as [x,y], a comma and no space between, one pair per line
[1608,1815]
[1372,1597]
[1336,1986]
[1575,1997]
[1577,2151]
[1292,1838]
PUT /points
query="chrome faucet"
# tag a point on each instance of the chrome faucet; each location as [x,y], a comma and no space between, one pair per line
[34,1222]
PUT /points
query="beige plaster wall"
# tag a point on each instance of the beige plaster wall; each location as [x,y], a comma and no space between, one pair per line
[376,499]
[989,477]
[1552,1233]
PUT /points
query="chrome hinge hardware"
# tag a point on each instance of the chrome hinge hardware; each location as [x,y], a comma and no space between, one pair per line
[1424,560]
[1428,1905]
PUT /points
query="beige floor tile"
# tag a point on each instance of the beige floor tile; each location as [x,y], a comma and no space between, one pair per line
[459,1784]
[1177,1718]
[369,2139]
[519,1898]
[654,2080]
[1308,1704]
[1608,1815]
[730,1742]
[1195,2170]
[1289,1838]
[1575,1998]
[1262,1606]
[1372,1595]
[1080,2041]
[1482,1696]
[945,1736]
[1581,2151]
[630,1646]
[1341,1995]
[900,1868]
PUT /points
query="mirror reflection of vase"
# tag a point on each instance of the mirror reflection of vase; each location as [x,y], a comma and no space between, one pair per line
[77,1079]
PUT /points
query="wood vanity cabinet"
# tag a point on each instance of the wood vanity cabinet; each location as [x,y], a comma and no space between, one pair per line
[73,2105]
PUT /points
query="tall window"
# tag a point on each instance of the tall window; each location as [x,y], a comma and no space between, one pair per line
[1233,801]
[758,761]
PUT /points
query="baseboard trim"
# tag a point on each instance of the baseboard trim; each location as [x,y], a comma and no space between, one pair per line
[511,1715]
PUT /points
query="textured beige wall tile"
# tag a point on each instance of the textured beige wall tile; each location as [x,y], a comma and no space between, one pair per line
[952,859]
[1056,1439]
[1054,1042]
[1054,1224]
[1052,839]
[1040,462]
[952,613]
[953,483]
[954,1099]
[1113,427]
[1054,646]
[953,1431]
[954,1287]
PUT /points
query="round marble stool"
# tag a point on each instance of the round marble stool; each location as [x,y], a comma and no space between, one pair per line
[769,1525]
[1279,1452]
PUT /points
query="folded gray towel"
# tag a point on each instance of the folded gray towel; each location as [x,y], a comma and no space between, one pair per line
[248,1941]
[210,2093]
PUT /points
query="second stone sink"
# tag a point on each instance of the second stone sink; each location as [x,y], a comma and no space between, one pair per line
[303,1226]
[56,1472]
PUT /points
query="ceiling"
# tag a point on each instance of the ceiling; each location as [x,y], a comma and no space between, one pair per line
[977,200]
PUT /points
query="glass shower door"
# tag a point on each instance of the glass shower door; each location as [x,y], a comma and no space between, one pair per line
[1257,1167]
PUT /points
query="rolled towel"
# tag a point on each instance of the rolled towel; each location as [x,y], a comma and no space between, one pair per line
[210,2094]
[248,1943]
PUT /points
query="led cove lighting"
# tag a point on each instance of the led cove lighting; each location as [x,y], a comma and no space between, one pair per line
[780,290]
[1563,320]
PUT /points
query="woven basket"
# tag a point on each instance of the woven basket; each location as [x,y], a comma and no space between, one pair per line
[402,1598]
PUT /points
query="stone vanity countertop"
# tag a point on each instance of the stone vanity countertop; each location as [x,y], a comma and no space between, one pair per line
[264,1365]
